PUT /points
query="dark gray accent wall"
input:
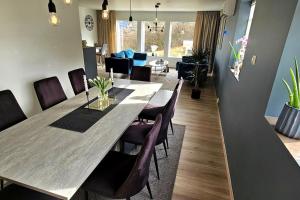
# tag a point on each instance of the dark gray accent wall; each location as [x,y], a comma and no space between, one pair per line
[260,166]
[279,94]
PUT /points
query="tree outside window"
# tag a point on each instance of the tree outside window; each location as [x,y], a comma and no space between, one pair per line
[154,38]
[127,36]
[182,34]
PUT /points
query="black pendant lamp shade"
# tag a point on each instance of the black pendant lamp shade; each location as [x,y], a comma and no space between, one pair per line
[104,5]
[51,7]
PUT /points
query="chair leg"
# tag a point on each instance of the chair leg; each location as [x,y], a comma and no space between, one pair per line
[165,147]
[167,141]
[2,184]
[149,190]
[171,123]
[156,164]
[86,195]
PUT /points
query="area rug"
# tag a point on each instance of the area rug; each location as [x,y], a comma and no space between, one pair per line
[161,189]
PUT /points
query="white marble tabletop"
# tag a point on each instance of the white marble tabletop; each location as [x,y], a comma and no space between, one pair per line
[161,98]
[56,161]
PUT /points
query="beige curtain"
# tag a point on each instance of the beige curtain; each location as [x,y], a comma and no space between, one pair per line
[107,31]
[206,32]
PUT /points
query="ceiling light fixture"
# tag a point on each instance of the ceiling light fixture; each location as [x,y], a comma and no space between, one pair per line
[68,2]
[155,28]
[105,11]
[53,18]
[130,23]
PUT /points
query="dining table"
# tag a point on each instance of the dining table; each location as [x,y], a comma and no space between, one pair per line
[57,161]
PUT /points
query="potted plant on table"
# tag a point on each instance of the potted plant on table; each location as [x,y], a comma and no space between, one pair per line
[288,122]
[199,56]
[102,84]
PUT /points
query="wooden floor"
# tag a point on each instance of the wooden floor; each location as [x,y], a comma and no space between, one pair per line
[202,171]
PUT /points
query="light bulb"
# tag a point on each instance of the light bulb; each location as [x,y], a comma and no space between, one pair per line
[130,24]
[68,2]
[54,19]
[105,14]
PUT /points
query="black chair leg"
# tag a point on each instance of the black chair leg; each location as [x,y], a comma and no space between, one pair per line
[172,126]
[156,164]
[149,190]
[165,147]
[2,184]
[167,141]
[86,195]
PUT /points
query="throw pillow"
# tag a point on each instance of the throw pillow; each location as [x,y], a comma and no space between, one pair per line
[120,55]
[129,53]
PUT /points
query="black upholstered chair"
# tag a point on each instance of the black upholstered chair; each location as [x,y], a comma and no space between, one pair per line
[141,74]
[136,133]
[15,192]
[49,92]
[76,79]
[151,111]
[10,113]
[122,176]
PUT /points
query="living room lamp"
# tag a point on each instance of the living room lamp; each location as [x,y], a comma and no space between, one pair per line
[155,28]
[53,18]
[105,11]
[130,20]
[68,2]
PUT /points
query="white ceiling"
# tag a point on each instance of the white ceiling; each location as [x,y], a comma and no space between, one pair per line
[148,5]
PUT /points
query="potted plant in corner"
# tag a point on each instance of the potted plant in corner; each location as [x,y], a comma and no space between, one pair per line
[200,57]
[288,122]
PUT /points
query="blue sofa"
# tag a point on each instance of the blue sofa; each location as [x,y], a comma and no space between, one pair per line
[122,62]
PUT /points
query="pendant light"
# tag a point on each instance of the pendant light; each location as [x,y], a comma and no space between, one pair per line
[155,28]
[105,11]
[130,23]
[53,18]
[68,2]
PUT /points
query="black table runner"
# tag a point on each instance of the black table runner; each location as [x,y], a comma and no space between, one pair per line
[81,119]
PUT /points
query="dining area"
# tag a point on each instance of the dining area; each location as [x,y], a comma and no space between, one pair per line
[75,145]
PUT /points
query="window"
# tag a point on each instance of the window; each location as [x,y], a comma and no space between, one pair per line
[126,36]
[182,34]
[154,41]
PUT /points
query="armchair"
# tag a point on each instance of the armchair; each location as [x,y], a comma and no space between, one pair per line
[187,66]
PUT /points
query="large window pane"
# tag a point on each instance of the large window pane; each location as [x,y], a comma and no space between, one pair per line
[154,38]
[126,35]
[182,34]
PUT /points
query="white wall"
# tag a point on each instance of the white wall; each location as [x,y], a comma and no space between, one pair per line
[31,49]
[90,36]
[165,16]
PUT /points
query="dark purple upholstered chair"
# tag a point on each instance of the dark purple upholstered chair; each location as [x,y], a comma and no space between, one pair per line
[150,111]
[15,192]
[49,92]
[141,74]
[76,79]
[135,134]
[10,113]
[122,176]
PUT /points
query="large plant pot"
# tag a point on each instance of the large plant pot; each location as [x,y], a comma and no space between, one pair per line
[288,122]
[196,92]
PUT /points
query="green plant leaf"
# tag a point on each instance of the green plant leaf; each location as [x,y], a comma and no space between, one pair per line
[291,95]
[295,90]
[297,76]
[236,56]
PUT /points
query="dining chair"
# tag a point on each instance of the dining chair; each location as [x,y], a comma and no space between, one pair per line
[135,133]
[49,92]
[76,79]
[121,175]
[151,111]
[10,113]
[141,74]
[16,192]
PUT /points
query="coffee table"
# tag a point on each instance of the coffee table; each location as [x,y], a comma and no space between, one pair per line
[159,66]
